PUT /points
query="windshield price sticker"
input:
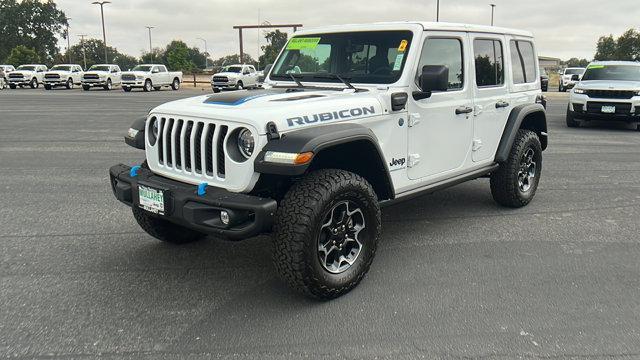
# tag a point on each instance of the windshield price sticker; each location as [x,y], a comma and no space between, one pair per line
[403,46]
[303,43]
[398,63]
[596,67]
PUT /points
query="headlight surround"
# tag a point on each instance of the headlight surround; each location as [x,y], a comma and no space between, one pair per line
[580,91]
[246,142]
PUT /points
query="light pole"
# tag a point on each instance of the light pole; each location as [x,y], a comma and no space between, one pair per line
[84,54]
[68,41]
[104,34]
[150,47]
[206,54]
[438,11]
[493,7]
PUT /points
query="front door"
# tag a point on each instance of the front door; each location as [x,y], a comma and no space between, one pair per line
[441,126]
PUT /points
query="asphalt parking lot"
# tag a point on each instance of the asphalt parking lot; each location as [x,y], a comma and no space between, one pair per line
[455,276]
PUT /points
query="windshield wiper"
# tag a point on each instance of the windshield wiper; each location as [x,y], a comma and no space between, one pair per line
[344,80]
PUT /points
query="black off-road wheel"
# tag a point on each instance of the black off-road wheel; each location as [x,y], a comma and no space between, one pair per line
[326,233]
[164,230]
[571,119]
[515,182]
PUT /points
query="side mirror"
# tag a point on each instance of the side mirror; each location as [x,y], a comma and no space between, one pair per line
[433,78]
[575,77]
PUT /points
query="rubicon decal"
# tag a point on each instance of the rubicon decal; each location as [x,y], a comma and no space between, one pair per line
[331,116]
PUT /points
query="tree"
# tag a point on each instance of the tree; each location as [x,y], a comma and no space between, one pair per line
[22,55]
[177,55]
[607,48]
[628,46]
[233,59]
[157,55]
[125,62]
[94,51]
[276,41]
[575,62]
[32,23]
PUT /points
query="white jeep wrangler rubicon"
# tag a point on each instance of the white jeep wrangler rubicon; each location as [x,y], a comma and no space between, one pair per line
[353,117]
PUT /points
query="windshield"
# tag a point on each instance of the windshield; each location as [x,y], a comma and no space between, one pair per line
[612,72]
[26,67]
[61,68]
[144,68]
[233,69]
[574,72]
[371,57]
[100,68]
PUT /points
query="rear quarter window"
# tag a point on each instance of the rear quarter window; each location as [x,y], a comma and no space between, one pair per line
[523,62]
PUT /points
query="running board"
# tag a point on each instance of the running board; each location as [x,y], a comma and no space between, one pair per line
[429,189]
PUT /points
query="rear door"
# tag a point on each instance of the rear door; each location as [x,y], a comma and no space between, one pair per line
[441,126]
[492,104]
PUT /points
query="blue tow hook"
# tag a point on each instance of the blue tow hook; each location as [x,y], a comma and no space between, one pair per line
[134,171]
[202,189]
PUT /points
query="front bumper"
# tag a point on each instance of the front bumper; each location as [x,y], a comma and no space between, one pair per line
[96,82]
[131,83]
[250,215]
[19,81]
[221,85]
[55,82]
[587,108]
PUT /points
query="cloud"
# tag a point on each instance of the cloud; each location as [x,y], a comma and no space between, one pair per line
[563,28]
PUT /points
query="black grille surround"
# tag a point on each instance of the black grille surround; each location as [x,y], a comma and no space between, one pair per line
[52,76]
[16,76]
[128,77]
[222,79]
[611,94]
[91,77]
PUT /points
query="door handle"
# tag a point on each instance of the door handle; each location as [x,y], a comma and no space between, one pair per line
[502,104]
[464,110]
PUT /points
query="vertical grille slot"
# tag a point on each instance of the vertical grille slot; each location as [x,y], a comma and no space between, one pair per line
[208,149]
[196,147]
[159,140]
[178,137]
[187,146]
[167,142]
[220,147]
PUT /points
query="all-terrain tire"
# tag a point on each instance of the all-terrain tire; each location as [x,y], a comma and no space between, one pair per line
[571,120]
[299,222]
[164,230]
[505,186]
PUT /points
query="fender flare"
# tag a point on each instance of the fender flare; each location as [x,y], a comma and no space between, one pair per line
[316,140]
[514,123]
[138,141]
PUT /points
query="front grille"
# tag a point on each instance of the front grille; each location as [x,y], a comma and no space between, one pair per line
[15,76]
[191,146]
[610,94]
[594,107]
[52,76]
[128,77]
[91,77]
[223,79]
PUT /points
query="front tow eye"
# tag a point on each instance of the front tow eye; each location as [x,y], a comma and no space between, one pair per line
[202,189]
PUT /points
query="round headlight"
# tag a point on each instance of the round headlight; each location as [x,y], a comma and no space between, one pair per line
[246,143]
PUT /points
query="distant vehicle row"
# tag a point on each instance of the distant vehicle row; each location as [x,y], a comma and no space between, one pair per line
[146,77]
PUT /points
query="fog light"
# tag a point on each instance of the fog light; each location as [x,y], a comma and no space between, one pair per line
[224,217]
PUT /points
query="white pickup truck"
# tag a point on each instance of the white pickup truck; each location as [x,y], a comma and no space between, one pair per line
[66,75]
[105,76]
[31,75]
[150,76]
[235,77]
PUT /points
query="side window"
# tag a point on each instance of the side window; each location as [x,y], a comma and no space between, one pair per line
[489,62]
[116,69]
[523,62]
[447,52]
[162,68]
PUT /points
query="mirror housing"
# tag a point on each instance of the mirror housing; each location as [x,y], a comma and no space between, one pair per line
[433,78]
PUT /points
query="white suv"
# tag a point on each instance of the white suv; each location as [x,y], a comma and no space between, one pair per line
[353,118]
[609,91]
[66,75]
[569,77]
[235,77]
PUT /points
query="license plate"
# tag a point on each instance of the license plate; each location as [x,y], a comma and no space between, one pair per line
[608,109]
[151,199]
